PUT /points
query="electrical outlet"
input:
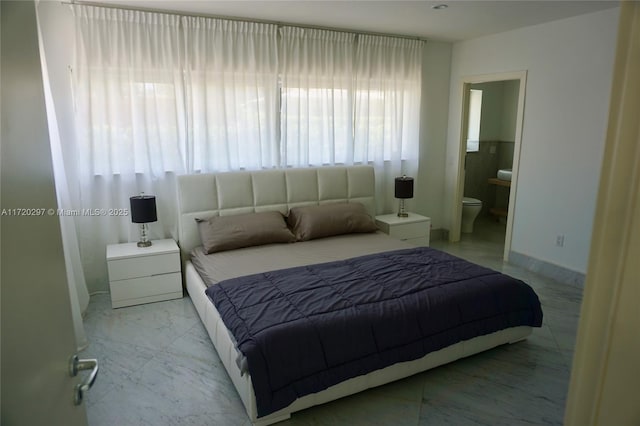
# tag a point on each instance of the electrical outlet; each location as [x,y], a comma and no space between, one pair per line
[560,240]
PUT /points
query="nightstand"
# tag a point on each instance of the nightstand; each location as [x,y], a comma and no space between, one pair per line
[414,229]
[144,274]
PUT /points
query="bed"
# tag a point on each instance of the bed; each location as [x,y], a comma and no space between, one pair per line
[240,193]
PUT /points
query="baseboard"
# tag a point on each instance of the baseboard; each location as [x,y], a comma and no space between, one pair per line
[547,269]
[439,235]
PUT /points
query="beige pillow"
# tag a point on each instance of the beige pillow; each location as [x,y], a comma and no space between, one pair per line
[311,222]
[220,233]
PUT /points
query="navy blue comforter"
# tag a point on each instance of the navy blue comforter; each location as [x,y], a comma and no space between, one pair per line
[307,328]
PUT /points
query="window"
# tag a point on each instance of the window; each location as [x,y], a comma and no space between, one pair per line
[194,94]
[315,126]
[473,125]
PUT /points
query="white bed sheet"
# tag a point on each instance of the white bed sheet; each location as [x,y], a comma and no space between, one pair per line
[224,265]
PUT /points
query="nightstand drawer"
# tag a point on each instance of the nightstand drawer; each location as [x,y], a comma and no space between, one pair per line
[143,266]
[414,228]
[141,287]
[409,230]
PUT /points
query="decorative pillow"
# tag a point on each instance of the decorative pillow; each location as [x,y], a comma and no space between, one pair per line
[220,233]
[311,222]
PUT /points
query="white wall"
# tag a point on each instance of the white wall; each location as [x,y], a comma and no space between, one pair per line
[509,110]
[429,189]
[569,64]
[499,110]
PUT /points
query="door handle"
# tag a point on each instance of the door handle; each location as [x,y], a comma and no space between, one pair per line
[75,365]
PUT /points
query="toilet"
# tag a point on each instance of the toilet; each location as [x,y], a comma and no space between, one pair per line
[470,209]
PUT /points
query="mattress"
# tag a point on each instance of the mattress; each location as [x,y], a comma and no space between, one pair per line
[217,267]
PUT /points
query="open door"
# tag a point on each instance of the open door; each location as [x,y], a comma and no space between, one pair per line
[38,338]
[456,211]
[605,375]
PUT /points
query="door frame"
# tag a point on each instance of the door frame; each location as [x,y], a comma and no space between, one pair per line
[465,84]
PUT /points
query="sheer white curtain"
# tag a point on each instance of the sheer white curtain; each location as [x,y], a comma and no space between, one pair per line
[130,123]
[387,91]
[348,99]
[316,111]
[78,293]
[232,90]
[158,94]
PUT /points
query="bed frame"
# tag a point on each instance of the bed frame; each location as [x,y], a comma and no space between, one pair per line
[205,195]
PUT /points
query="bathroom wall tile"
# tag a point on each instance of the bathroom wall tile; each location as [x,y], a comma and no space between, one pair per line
[505,154]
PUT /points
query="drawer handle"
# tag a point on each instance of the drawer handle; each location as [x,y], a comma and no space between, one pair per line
[165,273]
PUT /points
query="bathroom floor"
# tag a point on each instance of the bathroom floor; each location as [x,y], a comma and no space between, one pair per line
[487,228]
[484,246]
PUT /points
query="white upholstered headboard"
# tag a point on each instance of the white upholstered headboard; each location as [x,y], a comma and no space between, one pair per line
[206,195]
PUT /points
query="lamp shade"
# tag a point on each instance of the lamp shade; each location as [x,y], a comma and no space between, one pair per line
[404,187]
[143,209]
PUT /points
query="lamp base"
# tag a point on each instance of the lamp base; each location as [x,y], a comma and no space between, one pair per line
[401,211]
[144,241]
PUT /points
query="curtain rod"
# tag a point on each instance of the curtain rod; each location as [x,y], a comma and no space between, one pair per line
[235,18]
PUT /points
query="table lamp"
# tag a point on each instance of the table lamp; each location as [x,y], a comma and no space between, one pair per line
[404,190]
[143,211]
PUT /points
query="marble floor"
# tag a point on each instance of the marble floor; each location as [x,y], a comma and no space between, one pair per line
[158,367]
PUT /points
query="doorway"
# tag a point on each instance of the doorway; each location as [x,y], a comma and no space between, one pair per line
[486,141]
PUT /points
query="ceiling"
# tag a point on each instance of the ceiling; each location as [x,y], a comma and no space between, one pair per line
[459,21]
